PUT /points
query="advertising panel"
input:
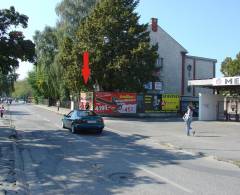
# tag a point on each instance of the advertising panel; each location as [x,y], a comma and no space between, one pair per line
[115,102]
[161,103]
[86,101]
[152,103]
[170,103]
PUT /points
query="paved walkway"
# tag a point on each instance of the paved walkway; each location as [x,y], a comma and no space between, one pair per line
[7,158]
[220,140]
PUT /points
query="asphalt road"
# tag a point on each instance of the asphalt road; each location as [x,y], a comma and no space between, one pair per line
[120,161]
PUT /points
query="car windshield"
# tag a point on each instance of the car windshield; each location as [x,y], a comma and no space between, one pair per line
[85,113]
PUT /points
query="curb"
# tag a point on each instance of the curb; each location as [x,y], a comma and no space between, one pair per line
[46,108]
[201,154]
[21,185]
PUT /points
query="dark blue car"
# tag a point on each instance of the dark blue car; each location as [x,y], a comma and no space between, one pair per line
[83,120]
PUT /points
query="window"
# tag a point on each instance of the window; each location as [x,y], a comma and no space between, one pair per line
[70,114]
[160,62]
[189,68]
[85,113]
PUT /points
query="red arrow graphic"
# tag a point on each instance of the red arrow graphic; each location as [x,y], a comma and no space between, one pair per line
[85,70]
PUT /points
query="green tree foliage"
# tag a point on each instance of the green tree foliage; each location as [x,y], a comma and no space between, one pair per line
[121,55]
[70,68]
[231,67]
[7,83]
[45,74]
[13,46]
[71,13]
[22,89]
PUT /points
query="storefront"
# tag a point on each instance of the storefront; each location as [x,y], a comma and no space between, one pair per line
[216,106]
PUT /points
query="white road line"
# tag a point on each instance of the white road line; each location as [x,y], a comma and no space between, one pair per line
[159,177]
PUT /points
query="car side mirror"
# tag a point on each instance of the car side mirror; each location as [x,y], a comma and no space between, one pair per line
[65,115]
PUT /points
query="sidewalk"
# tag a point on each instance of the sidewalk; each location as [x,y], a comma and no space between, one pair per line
[61,111]
[8,182]
[216,139]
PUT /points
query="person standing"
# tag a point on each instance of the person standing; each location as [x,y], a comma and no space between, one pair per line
[188,119]
[58,105]
[87,106]
[2,109]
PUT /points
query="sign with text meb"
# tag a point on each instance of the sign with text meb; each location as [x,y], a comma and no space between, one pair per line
[226,81]
[115,103]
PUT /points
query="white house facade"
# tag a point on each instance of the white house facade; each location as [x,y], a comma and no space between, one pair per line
[175,68]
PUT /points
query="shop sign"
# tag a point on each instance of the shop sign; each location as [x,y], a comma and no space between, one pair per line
[115,102]
[226,81]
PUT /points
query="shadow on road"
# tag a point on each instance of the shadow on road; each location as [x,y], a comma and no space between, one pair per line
[90,164]
[18,113]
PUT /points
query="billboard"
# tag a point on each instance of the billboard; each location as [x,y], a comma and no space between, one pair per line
[152,103]
[115,102]
[86,98]
[170,102]
[161,103]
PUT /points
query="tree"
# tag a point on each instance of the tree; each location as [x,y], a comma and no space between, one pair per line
[13,46]
[7,83]
[121,57]
[22,89]
[45,72]
[71,69]
[231,67]
[71,13]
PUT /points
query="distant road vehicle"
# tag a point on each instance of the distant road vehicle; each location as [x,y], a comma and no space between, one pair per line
[83,120]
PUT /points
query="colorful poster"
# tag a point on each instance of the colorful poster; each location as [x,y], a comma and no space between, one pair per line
[170,102]
[161,103]
[152,103]
[86,101]
[115,102]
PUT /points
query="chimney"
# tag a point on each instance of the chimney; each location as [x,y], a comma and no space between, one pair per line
[154,24]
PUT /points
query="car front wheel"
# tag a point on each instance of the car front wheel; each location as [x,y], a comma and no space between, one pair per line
[63,126]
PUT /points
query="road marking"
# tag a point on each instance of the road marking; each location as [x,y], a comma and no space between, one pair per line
[160,177]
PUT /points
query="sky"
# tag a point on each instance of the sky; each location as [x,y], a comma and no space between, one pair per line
[206,28]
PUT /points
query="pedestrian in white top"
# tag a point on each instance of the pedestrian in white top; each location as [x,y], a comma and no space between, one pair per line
[2,109]
[188,119]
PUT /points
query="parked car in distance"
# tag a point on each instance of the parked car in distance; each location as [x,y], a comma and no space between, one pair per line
[83,120]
